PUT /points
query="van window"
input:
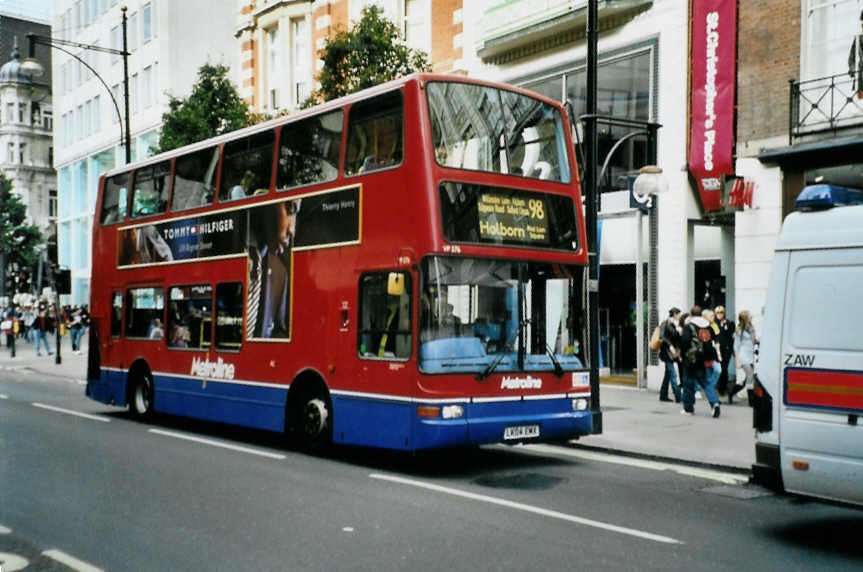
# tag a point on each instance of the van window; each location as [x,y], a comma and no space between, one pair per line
[375,138]
[823,314]
[247,166]
[114,199]
[309,151]
[150,190]
[195,179]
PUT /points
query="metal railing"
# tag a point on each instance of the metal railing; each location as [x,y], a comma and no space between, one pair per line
[825,104]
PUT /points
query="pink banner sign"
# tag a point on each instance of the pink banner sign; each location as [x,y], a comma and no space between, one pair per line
[711,135]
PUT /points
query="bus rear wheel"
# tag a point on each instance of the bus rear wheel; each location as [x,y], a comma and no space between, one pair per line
[312,420]
[141,399]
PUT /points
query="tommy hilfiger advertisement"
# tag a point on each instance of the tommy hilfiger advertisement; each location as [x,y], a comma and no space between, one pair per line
[313,221]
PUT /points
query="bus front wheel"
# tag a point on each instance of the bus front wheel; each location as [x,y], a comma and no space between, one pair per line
[141,401]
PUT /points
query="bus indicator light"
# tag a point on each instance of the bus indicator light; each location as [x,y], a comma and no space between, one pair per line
[428,411]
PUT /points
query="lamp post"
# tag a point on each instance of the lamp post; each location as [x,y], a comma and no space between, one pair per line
[649,183]
[31,66]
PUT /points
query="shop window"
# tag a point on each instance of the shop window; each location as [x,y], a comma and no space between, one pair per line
[229,316]
[309,151]
[116,314]
[195,179]
[145,308]
[114,199]
[150,191]
[190,316]
[385,316]
[375,138]
[247,166]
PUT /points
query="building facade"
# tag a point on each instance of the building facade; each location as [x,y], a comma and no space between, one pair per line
[279,41]
[26,125]
[168,42]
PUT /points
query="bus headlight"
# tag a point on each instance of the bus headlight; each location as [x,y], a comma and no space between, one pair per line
[579,404]
[452,411]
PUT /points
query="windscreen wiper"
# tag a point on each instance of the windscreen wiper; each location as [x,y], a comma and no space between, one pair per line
[493,365]
[558,370]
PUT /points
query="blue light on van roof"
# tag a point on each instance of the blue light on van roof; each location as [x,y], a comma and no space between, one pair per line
[818,197]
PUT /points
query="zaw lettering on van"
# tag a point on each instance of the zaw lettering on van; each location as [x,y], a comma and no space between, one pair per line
[824,389]
[800,360]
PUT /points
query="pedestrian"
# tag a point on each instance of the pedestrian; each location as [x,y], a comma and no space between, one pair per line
[744,351]
[669,354]
[712,359]
[42,325]
[726,348]
[699,357]
[76,328]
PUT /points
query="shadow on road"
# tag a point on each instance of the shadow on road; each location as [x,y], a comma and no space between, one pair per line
[836,536]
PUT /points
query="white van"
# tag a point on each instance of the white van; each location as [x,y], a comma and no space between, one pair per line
[808,394]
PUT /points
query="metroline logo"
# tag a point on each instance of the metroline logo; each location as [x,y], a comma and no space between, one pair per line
[521,383]
[212,369]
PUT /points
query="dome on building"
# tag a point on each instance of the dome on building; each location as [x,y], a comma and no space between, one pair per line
[11,70]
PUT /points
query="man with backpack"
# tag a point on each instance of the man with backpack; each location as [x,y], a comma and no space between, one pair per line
[698,354]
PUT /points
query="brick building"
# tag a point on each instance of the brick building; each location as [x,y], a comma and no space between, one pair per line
[279,40]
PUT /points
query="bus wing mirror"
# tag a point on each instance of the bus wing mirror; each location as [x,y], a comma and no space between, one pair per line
[396,284]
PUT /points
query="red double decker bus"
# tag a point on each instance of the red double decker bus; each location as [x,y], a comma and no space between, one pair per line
[402,268]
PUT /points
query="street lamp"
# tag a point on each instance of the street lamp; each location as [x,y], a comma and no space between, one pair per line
[31,66]
[649,183]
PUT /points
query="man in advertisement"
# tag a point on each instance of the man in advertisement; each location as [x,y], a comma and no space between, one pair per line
[271,234]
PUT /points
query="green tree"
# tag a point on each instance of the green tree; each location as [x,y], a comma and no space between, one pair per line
[19,241]
[370,53]
[214,107]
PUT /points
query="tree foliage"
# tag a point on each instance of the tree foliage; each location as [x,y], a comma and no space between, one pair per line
[19,241]
[213,107]
[370,53]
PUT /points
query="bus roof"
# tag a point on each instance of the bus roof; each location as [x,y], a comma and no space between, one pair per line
[837,227]
[423,78]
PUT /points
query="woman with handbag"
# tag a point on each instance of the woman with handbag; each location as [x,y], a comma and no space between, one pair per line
[669,353]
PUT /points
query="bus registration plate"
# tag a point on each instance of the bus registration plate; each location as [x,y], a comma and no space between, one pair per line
[521,432]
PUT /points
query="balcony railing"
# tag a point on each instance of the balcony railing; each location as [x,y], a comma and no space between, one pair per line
[825,104]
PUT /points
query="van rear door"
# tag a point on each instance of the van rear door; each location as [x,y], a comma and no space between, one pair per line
[821,444]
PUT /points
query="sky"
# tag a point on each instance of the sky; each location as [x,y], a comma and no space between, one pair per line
[28,9]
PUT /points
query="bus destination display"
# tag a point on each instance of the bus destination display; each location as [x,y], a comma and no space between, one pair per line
[507,217]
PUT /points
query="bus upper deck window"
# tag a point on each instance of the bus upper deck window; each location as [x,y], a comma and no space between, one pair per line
[309,151]
[150,190]
[195,179]
[247,166]
[114,199]
[375,134]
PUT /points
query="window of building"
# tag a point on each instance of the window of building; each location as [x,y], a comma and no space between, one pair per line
[229,316]
[247,166]
[147,87]
[114,199]
[150,191]
[146,23]
[52,203]
[97,114]
[22,113]
[273,68]
[301,60]
[416,29]
[22,152]
[830,30]
[385,316]
[190,316]
[133,93]
[132,32]
[10,156]
[145,308]
[623,90]
[10,113]
[194,179]
[48,119]
[116,314]
[309,151]
[116,42]
[375,134]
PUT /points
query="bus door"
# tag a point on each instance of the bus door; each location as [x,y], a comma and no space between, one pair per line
[821,439]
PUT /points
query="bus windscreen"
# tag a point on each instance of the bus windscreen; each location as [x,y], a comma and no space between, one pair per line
[481,128]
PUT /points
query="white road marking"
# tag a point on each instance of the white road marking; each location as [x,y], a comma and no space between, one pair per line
[528,508]
[217,444]
[70,412]
[12,562]
[713,475]
[4,530]
[3,396]
[70,561]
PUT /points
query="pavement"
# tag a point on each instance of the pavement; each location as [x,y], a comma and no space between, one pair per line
[635,422]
